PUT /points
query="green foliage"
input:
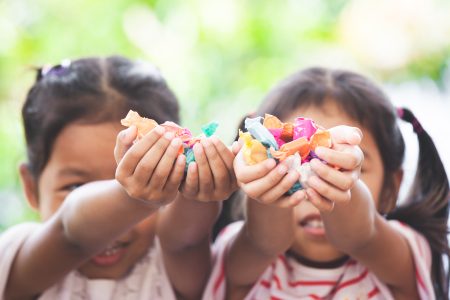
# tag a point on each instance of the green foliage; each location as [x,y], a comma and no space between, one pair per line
[220,57]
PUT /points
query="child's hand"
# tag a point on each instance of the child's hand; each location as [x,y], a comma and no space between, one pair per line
[150,170]
[335,179]
[267,182]
[211,176]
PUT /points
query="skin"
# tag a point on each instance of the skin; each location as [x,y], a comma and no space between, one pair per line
[84,187]
[319,248]
[354,187]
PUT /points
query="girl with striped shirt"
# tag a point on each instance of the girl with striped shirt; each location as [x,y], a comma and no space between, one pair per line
[344,236]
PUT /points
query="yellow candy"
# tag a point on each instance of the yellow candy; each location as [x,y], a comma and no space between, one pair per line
[253,152]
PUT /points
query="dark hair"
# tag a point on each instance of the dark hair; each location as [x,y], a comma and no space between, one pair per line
[426,208]
[91,90]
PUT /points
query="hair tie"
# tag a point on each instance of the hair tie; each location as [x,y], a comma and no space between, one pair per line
[56,70]
[406,115]
[417,127]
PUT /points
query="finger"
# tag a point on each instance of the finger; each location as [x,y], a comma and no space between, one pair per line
[165,165]
[190,186]
[319,202]
[124,142]
[343,180]
[261,186]
[236,147]
[246,173]
[281,188]
[176,176]
[217,166]
[346,135]
[349,158]
[292,200]
[128,164]
[146,167]
[205,178]
[328,191]
[227,157]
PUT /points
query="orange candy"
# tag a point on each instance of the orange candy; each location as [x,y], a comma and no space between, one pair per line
[143,125]
[320,138]
[272,122]
[300,145]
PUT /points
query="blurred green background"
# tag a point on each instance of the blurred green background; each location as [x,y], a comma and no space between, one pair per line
[221,57]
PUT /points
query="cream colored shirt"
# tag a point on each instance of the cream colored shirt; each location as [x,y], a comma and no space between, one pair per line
[147,280]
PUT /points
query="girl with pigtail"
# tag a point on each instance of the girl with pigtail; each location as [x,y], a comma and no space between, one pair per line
[119,218]
[345,236]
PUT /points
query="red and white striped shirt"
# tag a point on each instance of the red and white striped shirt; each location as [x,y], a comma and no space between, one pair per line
[287,279]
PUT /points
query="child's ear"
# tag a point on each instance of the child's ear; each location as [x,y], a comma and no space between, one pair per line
[29,185]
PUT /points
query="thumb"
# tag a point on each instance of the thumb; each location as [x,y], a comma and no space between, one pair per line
[124,142]
[346,135]
[236,147]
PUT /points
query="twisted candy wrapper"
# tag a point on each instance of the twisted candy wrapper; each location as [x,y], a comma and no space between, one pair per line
[145,125]
[294,143]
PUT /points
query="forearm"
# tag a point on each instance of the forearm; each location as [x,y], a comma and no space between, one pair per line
[269,229]
[268,232]
[184,229]
[358,230]
[350,226]
[186,223]
[97,213]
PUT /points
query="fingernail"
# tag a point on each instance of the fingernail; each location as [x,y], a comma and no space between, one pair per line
[197,148]
[300,196]
[181,159]
[314,162]
[356,136]
[214,139]
[319,151]
[169,135]
[293,175]
[206,142]
[270,163]
[282,169]
[125,134]
[312,180]
[159,129]
[176,142]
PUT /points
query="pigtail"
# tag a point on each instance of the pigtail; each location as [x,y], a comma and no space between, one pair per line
[427,205]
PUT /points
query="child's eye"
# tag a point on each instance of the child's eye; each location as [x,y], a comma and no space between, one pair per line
[72,186]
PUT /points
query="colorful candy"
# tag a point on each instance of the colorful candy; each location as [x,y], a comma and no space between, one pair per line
[293,143]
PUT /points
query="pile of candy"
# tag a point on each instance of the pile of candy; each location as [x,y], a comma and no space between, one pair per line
[145,125]
[294,143]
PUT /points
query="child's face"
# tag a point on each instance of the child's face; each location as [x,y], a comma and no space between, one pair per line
[83,153]
[310,241]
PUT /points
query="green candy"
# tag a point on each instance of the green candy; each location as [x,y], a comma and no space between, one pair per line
[210,128]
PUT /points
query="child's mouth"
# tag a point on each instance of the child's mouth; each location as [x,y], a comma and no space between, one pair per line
[110,256]
[313,225]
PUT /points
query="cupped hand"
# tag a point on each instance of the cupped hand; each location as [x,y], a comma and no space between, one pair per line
[150,169]
[211,177]
[335,178]
[267,182]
